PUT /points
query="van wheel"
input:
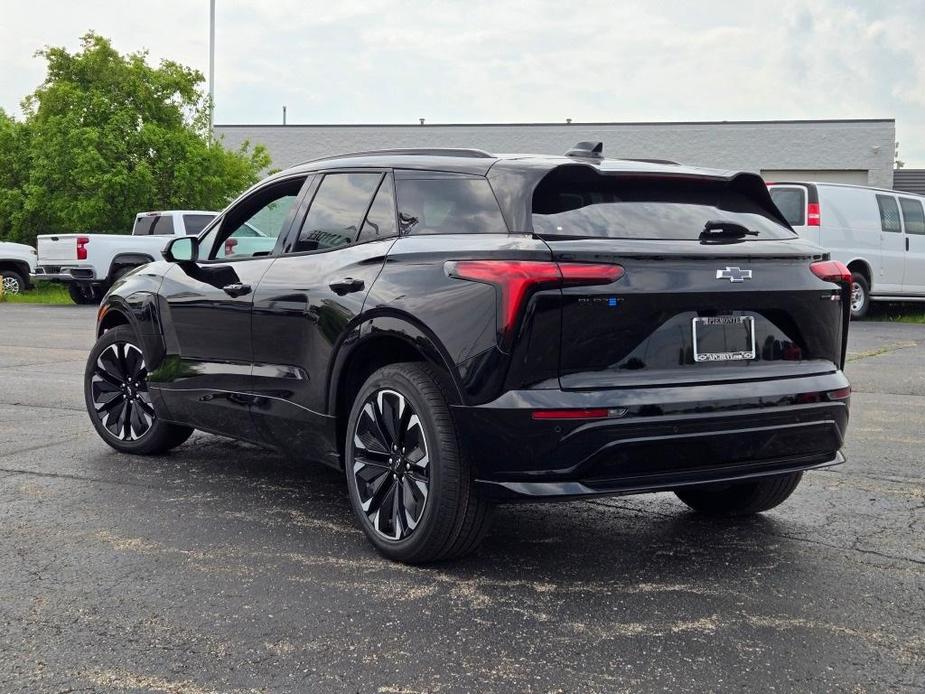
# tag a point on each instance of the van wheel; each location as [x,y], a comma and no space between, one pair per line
[860,295]
[740,498]
[410,487]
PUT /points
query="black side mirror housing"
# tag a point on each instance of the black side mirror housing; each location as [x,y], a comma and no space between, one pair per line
[184,249]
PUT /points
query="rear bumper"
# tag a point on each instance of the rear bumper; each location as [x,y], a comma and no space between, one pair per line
[655,438]
[63,274]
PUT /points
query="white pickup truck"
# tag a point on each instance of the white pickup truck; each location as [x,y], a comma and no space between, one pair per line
[90,263]
[17,263]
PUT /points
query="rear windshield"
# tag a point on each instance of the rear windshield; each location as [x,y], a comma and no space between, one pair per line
[195,223]
[792,204]
[586,204]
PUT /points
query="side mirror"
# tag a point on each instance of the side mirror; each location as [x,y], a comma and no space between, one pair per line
[184,249]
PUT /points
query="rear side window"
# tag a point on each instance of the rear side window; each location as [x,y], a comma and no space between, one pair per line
[792,204]
[913,217]
[448,205]
[889,213]
[576,201]
[195,223]
[336,211]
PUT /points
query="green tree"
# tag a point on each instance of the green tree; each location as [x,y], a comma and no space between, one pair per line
[106,136]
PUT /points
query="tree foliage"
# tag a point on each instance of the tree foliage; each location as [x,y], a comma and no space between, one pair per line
[106,136]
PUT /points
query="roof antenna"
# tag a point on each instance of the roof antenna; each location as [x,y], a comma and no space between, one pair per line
[587,150]
[422,120]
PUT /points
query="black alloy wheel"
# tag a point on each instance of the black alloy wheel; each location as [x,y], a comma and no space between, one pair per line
[119,391]
[391,464]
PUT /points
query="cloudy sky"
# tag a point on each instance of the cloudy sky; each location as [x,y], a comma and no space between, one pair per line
[392,61]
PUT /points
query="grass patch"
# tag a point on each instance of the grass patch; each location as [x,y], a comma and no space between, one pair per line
[897,313]
[41,293]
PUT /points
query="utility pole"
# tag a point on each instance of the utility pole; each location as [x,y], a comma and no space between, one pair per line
[284,115]
[211,67]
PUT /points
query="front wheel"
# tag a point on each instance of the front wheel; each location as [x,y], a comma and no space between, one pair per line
[118,400]
[13,283]
[410,487]
[740,498]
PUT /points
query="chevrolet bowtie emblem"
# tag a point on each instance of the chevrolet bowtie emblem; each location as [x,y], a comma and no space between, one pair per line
[733,274]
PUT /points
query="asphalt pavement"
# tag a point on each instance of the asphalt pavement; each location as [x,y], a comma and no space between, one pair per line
[225,568]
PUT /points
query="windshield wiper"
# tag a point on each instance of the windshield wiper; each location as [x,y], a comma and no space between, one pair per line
[723,231]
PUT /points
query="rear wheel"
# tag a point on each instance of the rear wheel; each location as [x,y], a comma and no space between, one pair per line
[84,294]
[740,498]
[13,283]
[860,295]
[118,400]
[410,487]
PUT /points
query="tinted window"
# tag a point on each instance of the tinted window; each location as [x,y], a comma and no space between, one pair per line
[573,201]
[889,213]
[153,224]
[195,223]
[913,217]
[792,203]
[380,222]
[336,211]
[448,206]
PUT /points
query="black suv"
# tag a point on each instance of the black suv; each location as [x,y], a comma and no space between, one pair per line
[454,329]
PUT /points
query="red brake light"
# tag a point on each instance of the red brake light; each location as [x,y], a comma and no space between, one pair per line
[595,413]
[812,214]
[515,279]
[229,246]
[82,242]
[831,271]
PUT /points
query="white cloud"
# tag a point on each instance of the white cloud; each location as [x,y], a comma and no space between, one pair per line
[478,61]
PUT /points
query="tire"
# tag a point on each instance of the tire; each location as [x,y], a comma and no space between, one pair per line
[423,460]
[860,295]
[740,498]
[115,385]
[13,282]
[84,295]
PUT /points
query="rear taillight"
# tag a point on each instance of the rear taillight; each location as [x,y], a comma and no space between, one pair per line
[229,246]
[831,271]
[515,280]
[82,242]
[812,214]
[595,413]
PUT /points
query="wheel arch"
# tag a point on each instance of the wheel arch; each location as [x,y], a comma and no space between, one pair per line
[376,342]
[862,266]
[20,267]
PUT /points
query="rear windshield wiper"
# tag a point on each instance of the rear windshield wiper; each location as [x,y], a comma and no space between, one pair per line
[722,231]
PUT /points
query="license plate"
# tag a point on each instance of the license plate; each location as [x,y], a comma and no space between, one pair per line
[724,338]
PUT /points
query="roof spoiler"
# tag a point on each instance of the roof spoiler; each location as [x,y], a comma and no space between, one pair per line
[587,150]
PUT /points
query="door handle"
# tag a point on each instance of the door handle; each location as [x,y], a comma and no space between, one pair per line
[907,243]
[346,286]
[237,289]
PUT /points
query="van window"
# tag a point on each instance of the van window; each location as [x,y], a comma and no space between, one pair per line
[572,201]
[913,217]
[792,203]
[889,213]
[448,205]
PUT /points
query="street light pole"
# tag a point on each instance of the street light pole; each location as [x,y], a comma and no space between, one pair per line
[211,67]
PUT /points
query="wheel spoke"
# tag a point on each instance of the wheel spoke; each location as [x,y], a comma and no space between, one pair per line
[120,392]
[107,377]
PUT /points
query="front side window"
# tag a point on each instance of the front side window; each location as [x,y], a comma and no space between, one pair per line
[336,211]
[889,214]
[792,204]
[448,205]
[250,228]
[913,217]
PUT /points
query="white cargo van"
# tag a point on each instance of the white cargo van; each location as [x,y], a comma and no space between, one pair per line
[879,234]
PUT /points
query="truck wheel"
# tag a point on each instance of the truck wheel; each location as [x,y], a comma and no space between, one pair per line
[13,283]
[740,498]
[83,294]
[860,295]
[410,486]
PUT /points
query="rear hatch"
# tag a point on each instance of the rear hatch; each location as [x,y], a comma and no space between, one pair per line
[716,286]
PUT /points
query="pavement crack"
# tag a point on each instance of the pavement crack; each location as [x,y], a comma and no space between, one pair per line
[885,349]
